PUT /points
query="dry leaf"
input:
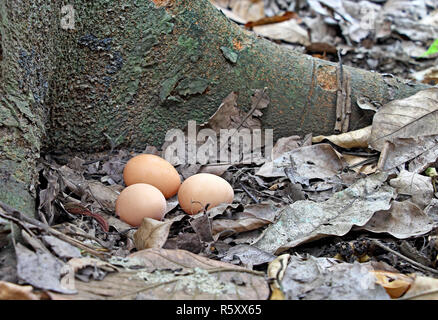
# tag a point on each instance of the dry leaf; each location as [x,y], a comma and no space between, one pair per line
[417,186]
[409,125]
[152,233]
[395,284]
[284,145]
[352,139]
[403,220]
[289,31]
[162,274]
[310,278]
[12,291]
[305,221]
[312,162]
[248,9]
[40,269]
[423,288]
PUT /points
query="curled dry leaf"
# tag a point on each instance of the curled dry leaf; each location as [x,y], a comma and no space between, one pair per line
[153,233]
[352,139]
[395,284]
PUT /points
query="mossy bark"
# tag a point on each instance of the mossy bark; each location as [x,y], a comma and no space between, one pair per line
[27,30]
[134,69]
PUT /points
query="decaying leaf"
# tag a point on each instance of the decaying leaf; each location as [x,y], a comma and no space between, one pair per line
[312,162]
[417,186]
[408,124]
[310,278]
[40,269]
[403,220]
[248,255]
[174,274]
[252,217]
[284,145]
[305,221]
[61,248]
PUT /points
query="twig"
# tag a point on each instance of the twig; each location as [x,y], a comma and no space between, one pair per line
[414,263]
[340,95]
[347,104]
[249,194]
[18,217]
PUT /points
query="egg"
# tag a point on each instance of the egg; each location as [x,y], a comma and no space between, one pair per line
[201,189]
[153,170]
[140,201]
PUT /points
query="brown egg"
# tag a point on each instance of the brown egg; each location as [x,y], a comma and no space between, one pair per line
[201,189]
[153,170]
[140,201]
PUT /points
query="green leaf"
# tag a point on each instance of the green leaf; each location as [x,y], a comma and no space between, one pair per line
[432,49]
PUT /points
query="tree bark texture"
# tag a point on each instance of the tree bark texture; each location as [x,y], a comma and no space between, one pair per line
[131,70]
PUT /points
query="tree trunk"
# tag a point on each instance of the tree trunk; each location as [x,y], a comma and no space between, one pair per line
[135,69]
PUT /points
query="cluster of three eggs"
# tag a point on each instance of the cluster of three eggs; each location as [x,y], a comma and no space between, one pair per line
[150,180]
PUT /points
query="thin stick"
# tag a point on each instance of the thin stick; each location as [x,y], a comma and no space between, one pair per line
[249,194]
[11,214]
[414,263]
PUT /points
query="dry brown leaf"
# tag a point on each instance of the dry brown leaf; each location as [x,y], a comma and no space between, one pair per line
[318,161]
[417,186]
[423,288]
[152,233]
[305,221]
[403,220]
[352,139]
[285,144]
[105,196]
[408,125]
[248,9]
[395,284]
[173,275]
[221,119]
[289,31]
[12,291]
